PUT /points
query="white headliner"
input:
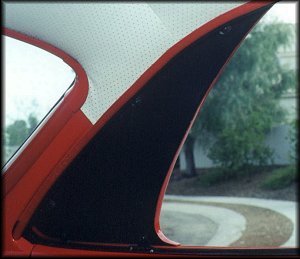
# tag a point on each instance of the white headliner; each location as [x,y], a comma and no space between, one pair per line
[114,42]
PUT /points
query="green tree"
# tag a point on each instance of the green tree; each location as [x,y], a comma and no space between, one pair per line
[244,104]
[32,123]
[17,132]
[293,139]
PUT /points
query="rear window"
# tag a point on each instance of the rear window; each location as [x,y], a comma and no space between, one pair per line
[235,181]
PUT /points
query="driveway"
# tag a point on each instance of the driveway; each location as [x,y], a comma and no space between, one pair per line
[229,221]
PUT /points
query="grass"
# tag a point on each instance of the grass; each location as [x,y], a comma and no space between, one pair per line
[280,178]
[276,179]
[219,174]
[214,176]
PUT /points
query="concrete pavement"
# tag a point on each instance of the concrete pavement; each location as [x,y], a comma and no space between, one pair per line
[230,223]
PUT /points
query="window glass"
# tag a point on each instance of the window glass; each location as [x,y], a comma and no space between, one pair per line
[235,180]
[34,80]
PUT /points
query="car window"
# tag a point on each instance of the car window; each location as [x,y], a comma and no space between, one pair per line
[115,181]
[234,183]
[34,80]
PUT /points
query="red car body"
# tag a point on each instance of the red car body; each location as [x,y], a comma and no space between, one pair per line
[66,135]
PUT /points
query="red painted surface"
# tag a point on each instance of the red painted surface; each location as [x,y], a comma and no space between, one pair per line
[42,153]
[60,138]
[51,126]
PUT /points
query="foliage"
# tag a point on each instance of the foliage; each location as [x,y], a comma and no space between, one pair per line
[280,178]
[4,138]
[244,104]
[32,123]
[293,138]
[215,176]
[17,132]
[218,174]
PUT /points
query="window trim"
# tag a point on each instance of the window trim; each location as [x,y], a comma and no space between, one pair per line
[54,121]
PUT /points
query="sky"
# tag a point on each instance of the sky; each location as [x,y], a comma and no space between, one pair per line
[37,79]
[285,11]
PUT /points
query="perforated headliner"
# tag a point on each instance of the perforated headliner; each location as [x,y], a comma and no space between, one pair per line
[114,42]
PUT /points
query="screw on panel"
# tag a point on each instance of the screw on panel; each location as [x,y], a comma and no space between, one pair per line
[225,30]
[137,101]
